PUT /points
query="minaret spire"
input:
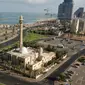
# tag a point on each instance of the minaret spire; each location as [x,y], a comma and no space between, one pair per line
[21,32]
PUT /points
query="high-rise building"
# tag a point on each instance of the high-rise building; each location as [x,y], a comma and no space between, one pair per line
[78,25]
[83,15]
[65,10]
[79,12]
[67,1]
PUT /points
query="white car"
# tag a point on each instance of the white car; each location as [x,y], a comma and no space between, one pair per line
[60,46]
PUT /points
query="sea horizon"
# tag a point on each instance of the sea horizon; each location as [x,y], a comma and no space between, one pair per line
[13,17]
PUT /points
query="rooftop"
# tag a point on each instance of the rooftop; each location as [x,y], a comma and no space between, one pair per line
[26,52]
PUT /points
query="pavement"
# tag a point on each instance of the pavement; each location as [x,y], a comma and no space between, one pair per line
[74,37]
[59,70]
[79,77]
[6,78]
[71,46]
[67,64]
[52,70]
[9,80]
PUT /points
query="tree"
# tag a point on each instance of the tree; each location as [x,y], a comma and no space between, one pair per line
[49,48]
[62,76]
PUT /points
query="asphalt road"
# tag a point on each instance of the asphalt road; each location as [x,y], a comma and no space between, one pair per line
[66,64]
[9,42]
[9,80]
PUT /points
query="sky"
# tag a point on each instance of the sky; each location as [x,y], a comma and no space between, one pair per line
[35,5]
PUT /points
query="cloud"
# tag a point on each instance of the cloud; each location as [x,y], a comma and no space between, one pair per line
[37,1]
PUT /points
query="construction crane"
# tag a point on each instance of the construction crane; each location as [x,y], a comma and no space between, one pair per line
[50,14]
[47,11]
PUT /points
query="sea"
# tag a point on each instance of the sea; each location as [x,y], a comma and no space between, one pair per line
[13,17]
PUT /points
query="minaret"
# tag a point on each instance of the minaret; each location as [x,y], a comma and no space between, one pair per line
[40,53]
[21,32]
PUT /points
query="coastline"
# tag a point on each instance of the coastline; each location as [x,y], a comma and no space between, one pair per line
[12,17]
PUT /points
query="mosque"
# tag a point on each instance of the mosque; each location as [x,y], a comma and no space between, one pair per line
[29,57]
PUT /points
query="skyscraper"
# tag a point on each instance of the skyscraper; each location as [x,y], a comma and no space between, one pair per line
[66,1]
[79,12]
[65,10]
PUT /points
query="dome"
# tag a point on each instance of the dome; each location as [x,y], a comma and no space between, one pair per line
[24,50]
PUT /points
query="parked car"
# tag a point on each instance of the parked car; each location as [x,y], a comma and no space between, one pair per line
[83,63]
[70,72]
[69,42]
[74,66]
[77,64]
[68,77]
[60,46]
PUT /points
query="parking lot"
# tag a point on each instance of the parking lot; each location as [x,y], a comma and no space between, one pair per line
[71,46]
[78,75]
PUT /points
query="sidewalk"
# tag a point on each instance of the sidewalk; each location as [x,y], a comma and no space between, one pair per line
[21,77]
[52,70]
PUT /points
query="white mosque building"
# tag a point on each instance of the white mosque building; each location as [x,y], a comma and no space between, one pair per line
[29,57]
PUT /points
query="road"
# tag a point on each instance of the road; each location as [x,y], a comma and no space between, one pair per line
[11,40]
[15,39]
[66,64]
[79,77]
[9,80]
[6,78]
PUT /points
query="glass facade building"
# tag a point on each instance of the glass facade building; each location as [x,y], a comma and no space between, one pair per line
[65,10]
[79,12]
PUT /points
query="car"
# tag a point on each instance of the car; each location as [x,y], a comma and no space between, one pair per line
[74,66]
[44,40]
[83,63]
[61,84]
[83,45]
[77,64]
[69,42]
[70,72]
[68,77]
[60,46]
